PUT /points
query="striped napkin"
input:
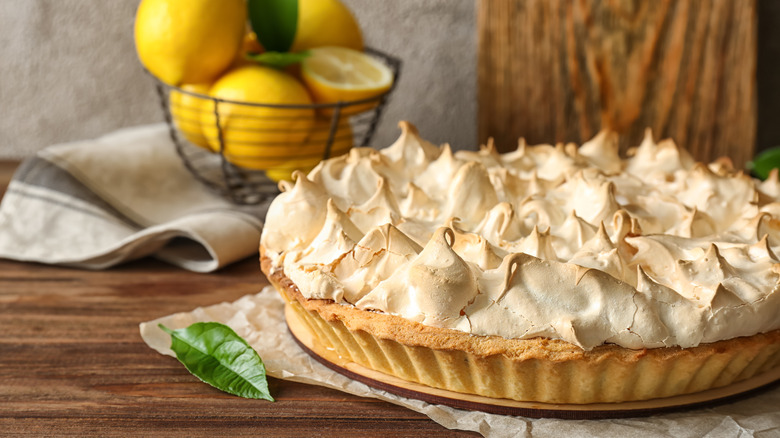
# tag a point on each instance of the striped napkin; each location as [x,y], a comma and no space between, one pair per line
[98,203]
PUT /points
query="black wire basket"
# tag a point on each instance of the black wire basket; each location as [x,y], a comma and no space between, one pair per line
[241,150]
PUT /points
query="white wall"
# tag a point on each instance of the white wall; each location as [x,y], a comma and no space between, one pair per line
[68,70]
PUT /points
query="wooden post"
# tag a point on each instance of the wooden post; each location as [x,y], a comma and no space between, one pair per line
[561,70]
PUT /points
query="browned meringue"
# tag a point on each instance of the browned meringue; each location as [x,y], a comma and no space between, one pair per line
[561,242]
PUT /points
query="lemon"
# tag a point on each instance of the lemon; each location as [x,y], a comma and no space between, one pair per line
[187,109]
[312,150]
[338,74]
[189,41]
[258,137]
[325,23]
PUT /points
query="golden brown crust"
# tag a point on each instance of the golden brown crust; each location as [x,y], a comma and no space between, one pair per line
[537,367]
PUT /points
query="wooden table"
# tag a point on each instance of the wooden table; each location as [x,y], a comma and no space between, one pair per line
[72,361]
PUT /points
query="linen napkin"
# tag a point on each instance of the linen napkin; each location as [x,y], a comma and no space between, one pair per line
[98,203]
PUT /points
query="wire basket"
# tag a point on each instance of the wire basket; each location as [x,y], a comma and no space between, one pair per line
[241,150]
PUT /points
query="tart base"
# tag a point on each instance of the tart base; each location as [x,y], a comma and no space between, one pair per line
[593,411]
[533,370]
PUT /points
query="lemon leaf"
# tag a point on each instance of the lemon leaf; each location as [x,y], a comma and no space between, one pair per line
[274,22]
[279,59]
[217,355]
[765,162]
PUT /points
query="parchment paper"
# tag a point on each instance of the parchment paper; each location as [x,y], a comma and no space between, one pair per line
[260,320]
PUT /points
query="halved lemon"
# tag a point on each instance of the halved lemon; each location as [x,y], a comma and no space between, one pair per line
[339,74]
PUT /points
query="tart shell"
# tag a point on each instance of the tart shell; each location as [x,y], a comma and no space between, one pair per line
[539,369]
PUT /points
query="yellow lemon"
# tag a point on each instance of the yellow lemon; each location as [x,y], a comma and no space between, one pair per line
[338,74]
[189,41]
[258,136]
[312,150]
[325,23]
[187,110]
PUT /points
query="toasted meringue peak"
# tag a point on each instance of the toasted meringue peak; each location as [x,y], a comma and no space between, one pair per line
[337,236]
[487,155]
[537,244]
[540,211]
[600,253]
[723,166]
[434,288]
[646,146]
[602,240]
[471,194]
[651,161]
[763,224]
[347,177]
[770,188]
[381,252]
[602,152]
[571,235]
[548,161]
[396,241]
[501,224]
[761,251]
[381,208]
[418,204]
[512,188]
[382,198]
[556,241]
[697,224]
[515,158]
[624,225]
[473,247]
[410,150]
[590,196]
[707,272]
[439,173]
[297,217]
[722,197]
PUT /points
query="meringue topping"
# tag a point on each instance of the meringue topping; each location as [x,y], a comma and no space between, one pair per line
[569,243]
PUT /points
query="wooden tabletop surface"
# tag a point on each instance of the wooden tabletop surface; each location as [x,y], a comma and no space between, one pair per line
[72,361]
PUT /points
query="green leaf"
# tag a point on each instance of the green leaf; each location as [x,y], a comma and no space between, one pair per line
[275,22]
[279,59]
[215,354]
[765,162]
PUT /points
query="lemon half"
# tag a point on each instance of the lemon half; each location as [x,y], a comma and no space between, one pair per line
[338,74]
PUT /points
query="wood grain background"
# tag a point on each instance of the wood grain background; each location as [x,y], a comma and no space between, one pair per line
[560,70]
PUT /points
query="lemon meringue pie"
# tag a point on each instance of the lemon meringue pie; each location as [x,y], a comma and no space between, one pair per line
[557,274]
